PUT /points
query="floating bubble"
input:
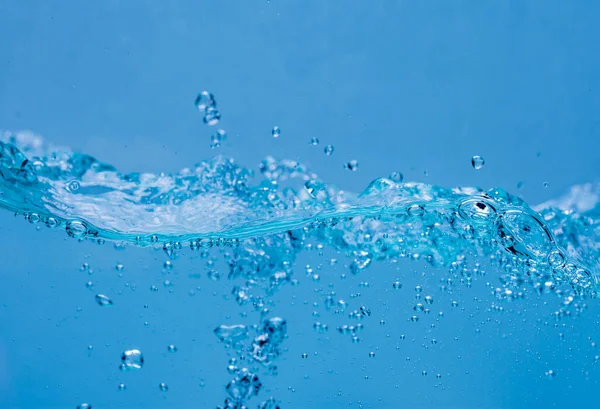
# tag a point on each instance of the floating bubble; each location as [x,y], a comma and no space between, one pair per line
[314,141]
[84,406]
[163,387]
[172,348]
[477,162]
[76,229]
[121,387]
[328,150]
[103,300]
[416,210]
[73,186]
[132,359]
[218,138]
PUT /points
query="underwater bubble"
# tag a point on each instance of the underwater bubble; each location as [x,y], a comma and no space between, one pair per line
[270,403]
[231,334]
[351,165]
[418,289]
[205,100]
[524,234]
[454,303]
[163,387]
[556,259]
[304,356]
[73,186]
[51,222]
[276,132]
[371,354]
[414,318]
[132,359]
[314,141]
[546,184]
[477,162]
[416,210]
[476,210]
[172,348]
[418,307]
[550,373]
[84,406]
[429,299]
[76,229]
[212,116]
[121,387]
[218,138]
[328,150]
[103,300]
[396,177]
[397,285]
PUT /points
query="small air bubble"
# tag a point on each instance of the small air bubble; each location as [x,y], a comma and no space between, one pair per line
[103,300]
[172,348]
[163,387]
[314,141]
[397,177]
[351,165]
[205,100]
[212,116]
[328,150]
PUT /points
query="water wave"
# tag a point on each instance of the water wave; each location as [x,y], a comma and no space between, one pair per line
[219,203]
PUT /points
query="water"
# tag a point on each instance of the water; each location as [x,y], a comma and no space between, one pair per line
[261,220]
[213,255]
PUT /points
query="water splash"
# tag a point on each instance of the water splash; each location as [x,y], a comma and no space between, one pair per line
[264,219]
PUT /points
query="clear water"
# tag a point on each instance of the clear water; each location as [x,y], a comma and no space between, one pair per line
[373,205]
[260,221]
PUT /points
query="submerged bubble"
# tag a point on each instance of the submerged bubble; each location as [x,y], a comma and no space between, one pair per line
[172,348]
[276,132]
[84,406]
[103,300]
[205,100]
[351,165]
[212,116]
[132,359]
[477,162]
[73,186]
[163,387]
[477,211]
[328,150]
[416,210]
[121,387]
[314,141]
[76,229]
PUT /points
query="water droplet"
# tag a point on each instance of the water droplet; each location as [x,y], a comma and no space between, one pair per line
[397,177]
[163,387]
[103,300]
[352,165]
[172,348]
[212,116]
[218,138]
[132,359]
[477,162]
[205,100]
[314,141]
[371,354]
[328,150]
[121,387]
[276,132]
[76,229]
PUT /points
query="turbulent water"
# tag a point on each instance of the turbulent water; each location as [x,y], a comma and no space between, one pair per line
[265,216]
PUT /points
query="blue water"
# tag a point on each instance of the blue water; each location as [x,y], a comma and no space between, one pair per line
[371,205]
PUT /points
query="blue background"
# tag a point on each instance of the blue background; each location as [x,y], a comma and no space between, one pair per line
[415,87]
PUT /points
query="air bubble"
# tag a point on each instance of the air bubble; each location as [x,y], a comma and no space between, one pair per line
[416,210]
[76,229]
[132,359]
[121,387]
[163,387]
[172,349]
[218,138]
[73,186]
[328,150]
[103,300]
[314,141]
